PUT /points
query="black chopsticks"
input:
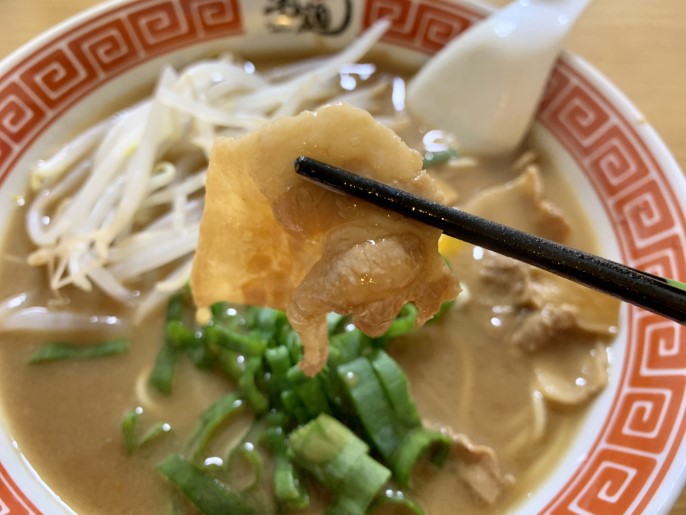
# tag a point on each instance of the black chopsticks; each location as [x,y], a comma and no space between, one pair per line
[666,297]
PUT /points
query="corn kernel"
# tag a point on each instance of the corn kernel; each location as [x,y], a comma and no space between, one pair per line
[448,246]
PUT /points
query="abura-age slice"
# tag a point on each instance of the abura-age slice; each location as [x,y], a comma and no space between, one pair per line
[271,238]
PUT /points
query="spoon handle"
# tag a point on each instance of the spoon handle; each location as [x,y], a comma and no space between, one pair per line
[666,297]
[484,86]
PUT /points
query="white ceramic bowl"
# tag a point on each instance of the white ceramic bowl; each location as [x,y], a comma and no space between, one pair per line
[629,456]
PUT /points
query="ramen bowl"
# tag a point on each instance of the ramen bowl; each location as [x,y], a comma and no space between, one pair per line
[628,454]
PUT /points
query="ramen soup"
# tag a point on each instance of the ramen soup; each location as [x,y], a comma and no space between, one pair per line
[123,403]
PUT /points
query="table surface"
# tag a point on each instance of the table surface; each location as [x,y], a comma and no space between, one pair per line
[639,45]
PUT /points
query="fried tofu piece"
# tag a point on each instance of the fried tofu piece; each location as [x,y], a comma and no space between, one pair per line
[270,238]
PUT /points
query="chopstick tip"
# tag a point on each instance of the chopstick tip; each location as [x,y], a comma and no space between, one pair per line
[303,164]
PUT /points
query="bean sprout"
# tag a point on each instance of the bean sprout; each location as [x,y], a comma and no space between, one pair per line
[123,197]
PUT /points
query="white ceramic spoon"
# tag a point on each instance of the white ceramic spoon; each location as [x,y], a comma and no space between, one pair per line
[485,85]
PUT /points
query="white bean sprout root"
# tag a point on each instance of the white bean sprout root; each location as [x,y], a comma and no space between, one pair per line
[124,197]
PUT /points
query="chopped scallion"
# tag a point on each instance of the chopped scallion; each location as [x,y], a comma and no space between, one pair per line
[248,452]
[293,405]
[371,405]
[255,398]
[163,372]
[211,419]
[129,429]
[442,311]
[345,347]
[288,488]
[405,323]
[361,385]
[310,391]
[56,351]
[208,494]
[396,387]
[417,443]
[336,457]
[231,340]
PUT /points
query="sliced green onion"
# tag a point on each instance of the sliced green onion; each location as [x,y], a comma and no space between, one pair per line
[330,384]
[163,372]
[345,506]
[197,347]
[288,487]
[255,398]
[396,387]
[179,333]
[313,397]
[129,428]
[289,490]
[265,322]
[155,431]
[344,347]
[218,310]
[405,322]
[194,342]
[291,340]
[372,406]
[249,453]
[320,443]
[445,308]
[279,361]
[293,406]
[55,351]
[439,158]
[283,333]
[417,443]
[336,457]
[175,307]
[233,341]
[296,375]
[211,419]
[273,438]
[675,283]
[310,391]
[208,494]
[232,363]
[277,418]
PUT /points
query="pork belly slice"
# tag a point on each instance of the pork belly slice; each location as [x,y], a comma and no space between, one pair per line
[270,238]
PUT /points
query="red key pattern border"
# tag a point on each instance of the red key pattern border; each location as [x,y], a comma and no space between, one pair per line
[639,439]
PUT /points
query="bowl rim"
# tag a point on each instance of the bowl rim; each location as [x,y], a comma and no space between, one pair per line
[645,132]
[674,479]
